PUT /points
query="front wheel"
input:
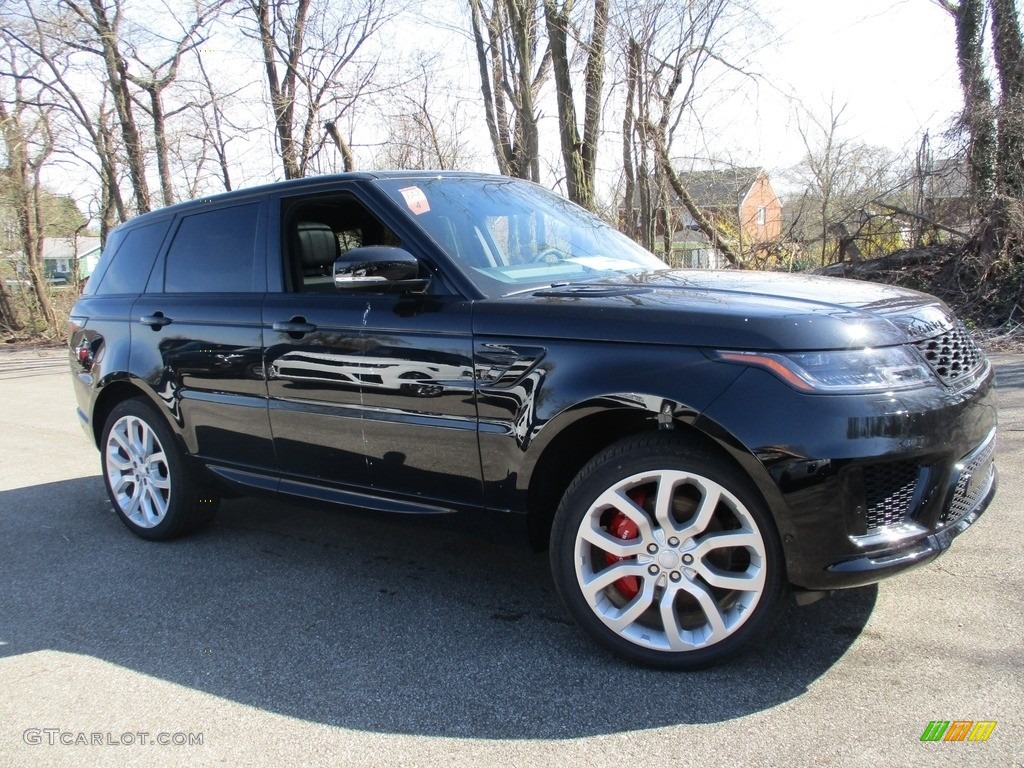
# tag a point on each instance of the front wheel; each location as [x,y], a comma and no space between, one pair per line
[147,479]
[667,554]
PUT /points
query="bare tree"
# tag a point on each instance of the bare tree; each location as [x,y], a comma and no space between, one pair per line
[1008,50]
[507,39]
[103,38]
[671,52]
[578,153]
[159,77]
[215,124]
[28,142]
[856,198]
[978,116]
[827,161]
[308,47]
[424,127]
[51,38]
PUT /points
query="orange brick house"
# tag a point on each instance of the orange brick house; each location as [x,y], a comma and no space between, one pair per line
[737,196]
[741,201]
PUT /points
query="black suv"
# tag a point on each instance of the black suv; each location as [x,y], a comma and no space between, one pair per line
[690,445]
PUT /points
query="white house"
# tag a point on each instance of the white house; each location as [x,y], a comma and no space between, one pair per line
[59,254]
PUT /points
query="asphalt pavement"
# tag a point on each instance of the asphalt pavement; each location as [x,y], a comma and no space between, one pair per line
[285,635]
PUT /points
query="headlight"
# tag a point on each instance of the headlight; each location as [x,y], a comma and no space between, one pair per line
[851,370]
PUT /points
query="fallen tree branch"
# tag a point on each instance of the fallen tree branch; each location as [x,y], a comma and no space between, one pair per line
[922,217]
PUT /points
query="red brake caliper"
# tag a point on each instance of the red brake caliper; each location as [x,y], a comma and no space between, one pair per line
[621,527]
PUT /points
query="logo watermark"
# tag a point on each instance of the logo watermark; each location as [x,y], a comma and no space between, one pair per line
[51,737]
[958,730]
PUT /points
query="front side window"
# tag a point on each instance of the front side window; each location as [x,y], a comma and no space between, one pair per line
[320,230]
[508,235]
[213,251]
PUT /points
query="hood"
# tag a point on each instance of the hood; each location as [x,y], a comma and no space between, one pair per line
[722,309]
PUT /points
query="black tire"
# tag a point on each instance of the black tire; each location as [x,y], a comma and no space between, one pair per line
[671,584]
[148,481]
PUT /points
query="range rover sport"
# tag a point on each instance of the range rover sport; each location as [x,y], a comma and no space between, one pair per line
[691,446]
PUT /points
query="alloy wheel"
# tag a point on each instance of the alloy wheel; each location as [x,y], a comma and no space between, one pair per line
[670,560]
[137,471]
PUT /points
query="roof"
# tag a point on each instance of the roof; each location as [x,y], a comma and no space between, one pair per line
[68,247]
[307,183]
[720,189]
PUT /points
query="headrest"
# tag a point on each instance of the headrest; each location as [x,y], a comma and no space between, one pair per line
[317,244]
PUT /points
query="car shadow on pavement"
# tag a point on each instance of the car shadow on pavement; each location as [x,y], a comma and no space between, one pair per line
[408,626]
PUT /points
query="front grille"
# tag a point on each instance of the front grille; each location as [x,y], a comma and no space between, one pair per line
[953,356]
[888,493]
[972,483]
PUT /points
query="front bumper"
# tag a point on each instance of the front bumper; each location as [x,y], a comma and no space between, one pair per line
[913,550]
[861,487]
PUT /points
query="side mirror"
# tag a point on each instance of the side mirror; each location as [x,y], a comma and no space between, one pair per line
[378,268]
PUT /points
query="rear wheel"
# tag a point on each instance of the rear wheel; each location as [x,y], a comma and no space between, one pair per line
[147,479]
[667,554]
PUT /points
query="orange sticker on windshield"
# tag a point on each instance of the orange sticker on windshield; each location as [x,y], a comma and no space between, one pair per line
[415,199]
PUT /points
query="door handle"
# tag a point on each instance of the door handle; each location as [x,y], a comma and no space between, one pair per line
[297,326]
[156,321]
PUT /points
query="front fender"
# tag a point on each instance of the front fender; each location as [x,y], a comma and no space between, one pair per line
[593,393]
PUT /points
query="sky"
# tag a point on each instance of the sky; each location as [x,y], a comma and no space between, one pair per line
[892,62]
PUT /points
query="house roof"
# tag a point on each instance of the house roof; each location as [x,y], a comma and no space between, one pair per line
[68,247]
[720,189]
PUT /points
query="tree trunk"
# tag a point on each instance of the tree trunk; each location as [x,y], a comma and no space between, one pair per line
[510,79]
[117,80]
[22,177]
[568,134]
[282,92]
[717,237]
[578,155]
[524,36]
[347,157]
[160,135]
[1008,49]
[631,201]
[499,144]
[8,317]
[33,233]
[978,119]
[112,204]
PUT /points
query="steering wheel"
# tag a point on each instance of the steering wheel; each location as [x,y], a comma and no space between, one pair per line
[549,256]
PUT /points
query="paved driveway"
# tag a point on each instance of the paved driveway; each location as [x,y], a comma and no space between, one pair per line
[292,636]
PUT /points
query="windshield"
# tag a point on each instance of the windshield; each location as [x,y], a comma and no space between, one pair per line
[510,235]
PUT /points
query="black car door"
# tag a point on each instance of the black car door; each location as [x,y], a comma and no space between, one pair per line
[196,333]
[371,395]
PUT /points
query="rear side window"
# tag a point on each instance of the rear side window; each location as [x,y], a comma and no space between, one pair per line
[129,259]
[212,252]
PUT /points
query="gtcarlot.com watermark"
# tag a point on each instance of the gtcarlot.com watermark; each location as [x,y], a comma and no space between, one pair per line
[52,737]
